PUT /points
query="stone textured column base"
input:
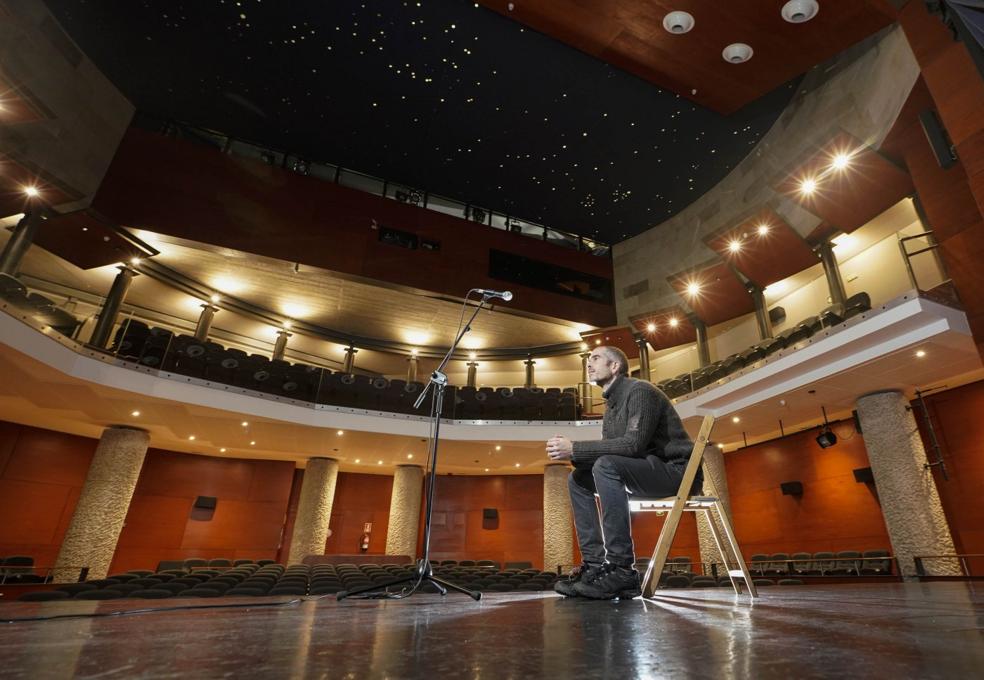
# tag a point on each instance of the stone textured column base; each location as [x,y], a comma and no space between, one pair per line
[404,515]
[558,522]
[313,509]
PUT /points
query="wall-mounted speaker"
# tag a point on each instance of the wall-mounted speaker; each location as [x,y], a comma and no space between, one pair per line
[490,518]
[937,138]
[791,488]
[864,476]
[206,502]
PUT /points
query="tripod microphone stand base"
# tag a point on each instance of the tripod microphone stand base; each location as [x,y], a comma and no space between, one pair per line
[427,576]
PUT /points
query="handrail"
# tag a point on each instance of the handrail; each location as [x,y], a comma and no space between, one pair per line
[962,558]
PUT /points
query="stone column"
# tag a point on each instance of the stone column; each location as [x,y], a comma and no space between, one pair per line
[204,324]
[644,371]
[558,527]
[472,373]
[111,308]
[313,509]
[585,386]
[906,490]
[280,346]
[530,368]
[349,365]
[412,365]
[703,350]
[716,485]
[99,514]
[20,242]
[835,284]
[761,310]
[404,517]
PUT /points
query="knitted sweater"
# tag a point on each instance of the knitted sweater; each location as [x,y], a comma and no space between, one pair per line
[639,421]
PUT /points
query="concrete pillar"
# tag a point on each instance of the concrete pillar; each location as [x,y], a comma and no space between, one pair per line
[716,485]
[349,364]
[585,386]
[472,373]
[761,310]
[404,517]
[204,324]
[99,514]
[412,365]
[906,491]
[835,284]
[280,346]
[558,523]
[20,242]
[644,371]
[111,307]
[530,367]
[313,509]
[703,349]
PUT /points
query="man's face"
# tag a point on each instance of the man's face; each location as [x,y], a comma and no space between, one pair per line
[600,368]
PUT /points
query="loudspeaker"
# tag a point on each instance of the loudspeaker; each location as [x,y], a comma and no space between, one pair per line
[864,476]
[791,488]
[777,315]
[490,513]
[206,502]
[937,138]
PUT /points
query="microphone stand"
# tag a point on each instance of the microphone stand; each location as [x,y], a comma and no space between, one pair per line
[439,381]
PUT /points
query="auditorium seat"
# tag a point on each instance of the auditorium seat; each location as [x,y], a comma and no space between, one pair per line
[224,366]
[43,596]
[98,594]
[758,563]
[170,565]
[677,581]
[829,317]
[872,565]
[823,562]
[12,287]
[127,588]
[156,347]
[763,582]
[802,564]
[244,591]
[220,562]
[74,588]
[789,582]
[200,592]
[844,565]
[733,363]
[752,354]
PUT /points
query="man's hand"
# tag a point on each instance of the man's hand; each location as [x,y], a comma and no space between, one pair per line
[559,447]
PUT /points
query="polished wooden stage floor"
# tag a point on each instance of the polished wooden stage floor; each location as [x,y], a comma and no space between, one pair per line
[926,630]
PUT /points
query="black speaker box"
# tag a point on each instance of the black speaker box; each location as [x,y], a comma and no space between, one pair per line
[937,138]
[864,476]
[791,488]
[206,502]
[490,513]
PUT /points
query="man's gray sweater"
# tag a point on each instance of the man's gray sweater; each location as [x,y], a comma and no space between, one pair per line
[639,421]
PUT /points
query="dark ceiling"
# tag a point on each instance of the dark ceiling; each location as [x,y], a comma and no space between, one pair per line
[446,96]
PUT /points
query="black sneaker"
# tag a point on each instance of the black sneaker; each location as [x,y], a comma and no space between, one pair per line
[611,582]
[579,573]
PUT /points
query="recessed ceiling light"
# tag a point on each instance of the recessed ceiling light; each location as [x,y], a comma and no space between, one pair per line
[191,437]
[841,161]
[921,353]
[800,11]
[472,356]
[409,456]
[215,298]
[340,433]
[720,446]
[222,450]
[135,414]
[651,327]
[598,341]
[252,443]
[674,322]
[808,186]
[135,261]
[379,462]
[358,460]
[737,53]
[245,423]
[693,288]
[734,246]
[486,469]
[517,464]
[32,192]
[498,447]
[678,22]
[763,229]
[735,419]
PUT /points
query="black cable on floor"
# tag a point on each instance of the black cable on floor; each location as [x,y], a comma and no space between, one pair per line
[151,610]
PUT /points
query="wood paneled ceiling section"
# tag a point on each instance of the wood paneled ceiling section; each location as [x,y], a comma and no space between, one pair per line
[766,255]
[617,336]
[17,105]
[671,327]
[850,197]
[629,34]
[88,240]
[721,296]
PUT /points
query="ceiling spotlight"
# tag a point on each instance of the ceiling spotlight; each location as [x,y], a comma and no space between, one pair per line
[517,464]
[734,246]
[135,261]
[472,356]
[840,161]
[598,341]
[720,446]
[135,414]
[737,53]
[340,433]
[222,450]
[358,460]
[920,353]
[32,192]
[735,419]
[253,443]
[678,22]
[808,186]
[191,437]
[245,423]
[215,298]
[498,447]
[800,11]
[288,325]
[379,462]
[763,229]
[651,327]
[409,456]
[693,288]
[674,322]
[486,469]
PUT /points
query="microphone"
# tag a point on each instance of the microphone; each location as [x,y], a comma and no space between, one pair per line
[501,294]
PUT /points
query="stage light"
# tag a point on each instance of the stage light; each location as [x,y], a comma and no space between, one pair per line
[734,246]
[921,353]
[674,322]
[763,229]
[826,438]
[841,161]
[693,288]
[135,414]
[808,186]
[651,327]
[32,192]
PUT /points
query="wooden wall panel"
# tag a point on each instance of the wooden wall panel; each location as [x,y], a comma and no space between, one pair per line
[359,498]
[956,417]
[457,529]
[245,204]
[834,512]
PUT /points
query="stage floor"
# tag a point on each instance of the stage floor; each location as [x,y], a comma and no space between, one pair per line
[926,630]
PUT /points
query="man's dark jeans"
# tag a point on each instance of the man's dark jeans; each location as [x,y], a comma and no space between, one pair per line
[610,477]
